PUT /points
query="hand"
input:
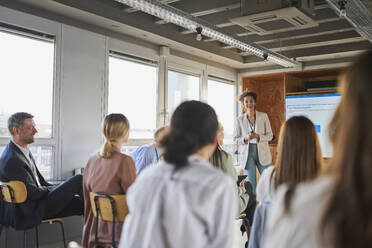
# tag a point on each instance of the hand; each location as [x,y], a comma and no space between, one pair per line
[242,182]
[254,136]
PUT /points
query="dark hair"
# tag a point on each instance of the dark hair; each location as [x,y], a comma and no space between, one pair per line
[193,125]
[248,93]
[347,219]
[299,155]
[16,120]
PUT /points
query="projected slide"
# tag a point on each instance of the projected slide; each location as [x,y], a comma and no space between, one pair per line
[319,109]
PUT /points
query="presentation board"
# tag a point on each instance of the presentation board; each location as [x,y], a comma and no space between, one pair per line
[319,109]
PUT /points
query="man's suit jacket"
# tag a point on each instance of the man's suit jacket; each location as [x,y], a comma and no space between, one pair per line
[266,135]
[15,166]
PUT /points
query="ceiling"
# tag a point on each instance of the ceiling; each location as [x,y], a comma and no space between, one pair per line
[325,37]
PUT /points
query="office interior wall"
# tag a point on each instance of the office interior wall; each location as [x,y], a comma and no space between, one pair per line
[81,74]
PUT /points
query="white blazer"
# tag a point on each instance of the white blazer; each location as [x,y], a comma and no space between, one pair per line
[265,132]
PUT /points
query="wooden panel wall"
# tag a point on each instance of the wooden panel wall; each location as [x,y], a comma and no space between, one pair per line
[270,98]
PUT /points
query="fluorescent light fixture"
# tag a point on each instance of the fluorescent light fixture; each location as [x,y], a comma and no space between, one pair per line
[187,21]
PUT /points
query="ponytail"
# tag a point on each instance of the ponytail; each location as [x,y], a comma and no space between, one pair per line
[178,147]
[114,127]
[106,150]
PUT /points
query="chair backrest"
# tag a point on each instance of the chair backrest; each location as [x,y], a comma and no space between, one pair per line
[105,207]
[13,191]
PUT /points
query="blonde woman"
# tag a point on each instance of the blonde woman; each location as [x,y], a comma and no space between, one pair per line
[107,172]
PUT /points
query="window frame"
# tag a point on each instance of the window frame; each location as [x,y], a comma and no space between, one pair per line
[185,72]
[174,64]
[229,82]
[130,58]
[51,35]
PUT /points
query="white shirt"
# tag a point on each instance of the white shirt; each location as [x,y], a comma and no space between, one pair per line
[252,127]
[193,207]
[300,228]
[26,152]
[265,189]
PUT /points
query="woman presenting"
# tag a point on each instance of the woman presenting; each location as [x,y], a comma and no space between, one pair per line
[253,132]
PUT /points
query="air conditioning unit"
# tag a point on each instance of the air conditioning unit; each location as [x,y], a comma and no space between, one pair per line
[279,20]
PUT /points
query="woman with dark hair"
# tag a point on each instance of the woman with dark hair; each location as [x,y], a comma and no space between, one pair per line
[253,132]
[107,172]
[299,160]
[223,161]
[335,211]
[183,202]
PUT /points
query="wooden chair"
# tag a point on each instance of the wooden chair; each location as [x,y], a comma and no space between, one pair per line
[108,208]
[15,192]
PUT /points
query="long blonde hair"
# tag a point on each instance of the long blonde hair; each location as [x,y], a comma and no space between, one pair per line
[114,127]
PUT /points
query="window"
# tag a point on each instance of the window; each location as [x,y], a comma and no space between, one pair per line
[132,91]
[181,87]
[221,96]
[26,76]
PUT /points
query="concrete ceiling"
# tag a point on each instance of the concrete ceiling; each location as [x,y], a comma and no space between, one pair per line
[330,39]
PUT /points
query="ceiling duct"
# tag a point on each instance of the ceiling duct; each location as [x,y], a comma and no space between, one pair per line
[357,14]
[263,16]
[187,21]
[279,20]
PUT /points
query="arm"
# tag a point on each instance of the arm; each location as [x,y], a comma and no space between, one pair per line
[268,135]
[237,137]
[242,194]
[14,171]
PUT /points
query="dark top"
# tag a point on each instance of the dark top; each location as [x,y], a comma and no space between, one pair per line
[15,166]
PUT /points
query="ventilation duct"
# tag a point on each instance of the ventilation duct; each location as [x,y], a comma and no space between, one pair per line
[279,20]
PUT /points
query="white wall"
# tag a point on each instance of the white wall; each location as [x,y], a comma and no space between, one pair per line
[83,66]
[81,83]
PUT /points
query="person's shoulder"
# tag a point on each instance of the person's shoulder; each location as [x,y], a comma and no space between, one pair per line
[124,158]
[141,149]
[260,113]
[316,191]
[9,156]
[206,173]
[241,116]
[225,155]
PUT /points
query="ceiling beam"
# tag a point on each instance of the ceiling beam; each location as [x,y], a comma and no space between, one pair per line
[204,7]
[263,42]
[323,27]
[314,41]
[144,22]
[132,10]
[235,7]
[325,51]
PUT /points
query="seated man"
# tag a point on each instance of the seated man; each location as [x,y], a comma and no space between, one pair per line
[43,201]
[145,155]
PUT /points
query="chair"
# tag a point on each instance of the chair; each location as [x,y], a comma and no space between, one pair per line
[108,208]
[15,192]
